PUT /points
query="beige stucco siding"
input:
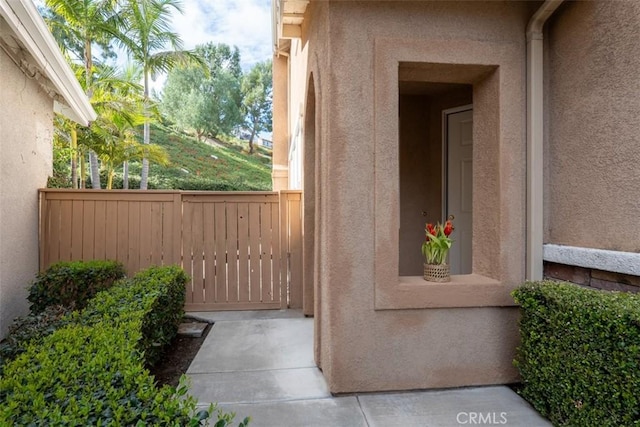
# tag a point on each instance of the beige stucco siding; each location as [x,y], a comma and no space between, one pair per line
[592,177]
[360,346]
[26,130]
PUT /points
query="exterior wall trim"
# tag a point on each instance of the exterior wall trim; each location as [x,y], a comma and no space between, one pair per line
[599,259]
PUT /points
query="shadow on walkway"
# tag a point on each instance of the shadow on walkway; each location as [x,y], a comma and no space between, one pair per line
[260,364]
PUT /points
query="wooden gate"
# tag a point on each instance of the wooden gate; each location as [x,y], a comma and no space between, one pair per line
[241,250]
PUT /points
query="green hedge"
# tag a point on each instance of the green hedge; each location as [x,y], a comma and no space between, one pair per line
[92,370]
[580,354]
[155,296]
[31,328]
[72,284]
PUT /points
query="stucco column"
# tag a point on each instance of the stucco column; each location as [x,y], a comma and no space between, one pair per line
[280,173]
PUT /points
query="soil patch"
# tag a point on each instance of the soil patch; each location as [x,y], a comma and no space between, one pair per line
[177,357]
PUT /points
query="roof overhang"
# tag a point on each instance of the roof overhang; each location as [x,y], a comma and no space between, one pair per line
[288,16]
[32,47]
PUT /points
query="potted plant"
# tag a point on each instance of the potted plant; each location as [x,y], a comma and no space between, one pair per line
[435,250]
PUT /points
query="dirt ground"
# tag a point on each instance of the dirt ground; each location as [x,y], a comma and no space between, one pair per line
[177,358]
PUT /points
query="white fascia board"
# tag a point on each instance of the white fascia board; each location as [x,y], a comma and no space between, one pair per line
[598,259]
[32,32]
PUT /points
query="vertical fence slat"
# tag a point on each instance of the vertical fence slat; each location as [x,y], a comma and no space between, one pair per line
[197,235]
[209,251]
[122,254]
[265,252]
[232,251]
[145,236]
[133,249]
[155,255]
[77,207]
[174,231]
[187,261]
[111,229]
[275,252]
[254,253]
[243,252]
[221,253]
[100,238]
[66,219]
[54,233]
[88,229]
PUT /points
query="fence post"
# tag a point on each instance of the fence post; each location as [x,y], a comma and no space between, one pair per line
[42,228]
[284,249]
[294,233]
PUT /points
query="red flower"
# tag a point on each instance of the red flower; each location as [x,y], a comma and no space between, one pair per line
[448,228]
[431,229]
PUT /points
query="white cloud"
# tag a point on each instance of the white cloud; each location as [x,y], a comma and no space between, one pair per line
[242,23]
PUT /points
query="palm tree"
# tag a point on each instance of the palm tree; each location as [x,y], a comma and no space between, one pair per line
[146,36]
[81,24]
[120,106]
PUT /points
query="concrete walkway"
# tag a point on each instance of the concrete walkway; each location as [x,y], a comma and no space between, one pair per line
[260,364]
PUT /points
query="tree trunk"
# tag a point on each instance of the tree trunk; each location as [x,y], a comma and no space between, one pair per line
[253,133]
[95,170]
[83,172]
[144,175]
[125,175]
[110,179]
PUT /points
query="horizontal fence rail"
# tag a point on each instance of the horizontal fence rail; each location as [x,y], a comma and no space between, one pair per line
[241,250]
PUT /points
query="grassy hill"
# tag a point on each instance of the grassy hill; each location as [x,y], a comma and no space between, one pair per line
[194,165]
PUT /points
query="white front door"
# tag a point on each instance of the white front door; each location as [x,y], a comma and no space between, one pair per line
[458,126]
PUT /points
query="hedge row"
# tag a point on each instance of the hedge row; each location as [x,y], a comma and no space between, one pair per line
[72,284]
[92,370]
[155,297]
[579,356]
[54,293]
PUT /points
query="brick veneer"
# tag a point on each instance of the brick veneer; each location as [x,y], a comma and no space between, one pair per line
[593,278]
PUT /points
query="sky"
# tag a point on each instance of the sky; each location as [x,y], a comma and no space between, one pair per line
[243,23]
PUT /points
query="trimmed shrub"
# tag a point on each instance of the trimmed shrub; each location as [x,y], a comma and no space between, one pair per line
[84,375]
[72,284]
[91,371]
[33,327]
[580,354]
[155,297]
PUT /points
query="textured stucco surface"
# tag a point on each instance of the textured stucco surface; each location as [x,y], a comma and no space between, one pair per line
[26,131]
[354,51]
[592,142]
[280,175]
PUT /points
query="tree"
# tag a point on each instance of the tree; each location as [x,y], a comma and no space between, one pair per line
[121,109]
[257,99]
[145,35]
[81,24]
[206,101]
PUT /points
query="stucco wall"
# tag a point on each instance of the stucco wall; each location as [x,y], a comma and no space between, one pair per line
[26,131]
[592,143]
[360,346]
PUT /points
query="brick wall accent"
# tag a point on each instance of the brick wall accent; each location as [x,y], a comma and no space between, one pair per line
[593,278]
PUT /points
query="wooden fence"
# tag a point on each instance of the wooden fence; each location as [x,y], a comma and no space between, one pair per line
[241,250]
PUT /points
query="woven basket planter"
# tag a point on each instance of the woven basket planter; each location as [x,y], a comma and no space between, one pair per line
[437,273]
